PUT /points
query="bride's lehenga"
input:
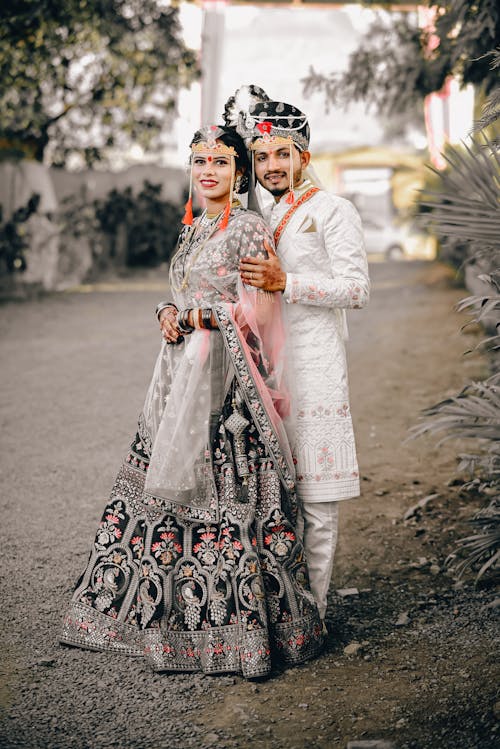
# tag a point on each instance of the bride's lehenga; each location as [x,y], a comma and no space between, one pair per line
[196,564]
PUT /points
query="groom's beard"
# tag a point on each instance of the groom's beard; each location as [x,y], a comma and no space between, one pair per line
[277,193]
[279,190]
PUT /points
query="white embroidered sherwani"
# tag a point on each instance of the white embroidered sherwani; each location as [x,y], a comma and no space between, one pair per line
[322,252]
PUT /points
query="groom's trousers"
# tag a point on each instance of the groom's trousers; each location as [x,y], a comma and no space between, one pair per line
[318,527]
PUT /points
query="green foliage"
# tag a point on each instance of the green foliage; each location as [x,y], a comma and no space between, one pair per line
[83,76]
[14,237]
[482,549]
[392,67]
[463,209]
[474,414]
[122,229]
[150,224]
[491,109]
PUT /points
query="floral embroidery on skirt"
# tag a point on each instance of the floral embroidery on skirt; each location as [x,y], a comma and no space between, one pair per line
[225,596]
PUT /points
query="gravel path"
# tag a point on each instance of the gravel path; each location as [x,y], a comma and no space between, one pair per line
[75,368]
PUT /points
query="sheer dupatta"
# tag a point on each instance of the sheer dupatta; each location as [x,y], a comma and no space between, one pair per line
[247,351]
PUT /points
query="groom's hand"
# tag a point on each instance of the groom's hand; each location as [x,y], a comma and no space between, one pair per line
[263,273]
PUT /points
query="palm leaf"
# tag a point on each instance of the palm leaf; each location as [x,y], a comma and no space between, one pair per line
[465,213]
[485,310]
[484,304]
[472,414]
[491,109]
[482,547]
[489,563]
[468,205]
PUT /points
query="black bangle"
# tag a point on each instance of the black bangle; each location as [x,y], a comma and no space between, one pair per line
[206,318]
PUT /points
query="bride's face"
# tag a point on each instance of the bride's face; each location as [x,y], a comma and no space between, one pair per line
[212,176]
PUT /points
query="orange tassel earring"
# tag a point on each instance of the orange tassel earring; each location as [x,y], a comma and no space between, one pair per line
[187,219]
[225,217]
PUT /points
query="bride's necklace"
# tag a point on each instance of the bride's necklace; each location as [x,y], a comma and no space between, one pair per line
[193,244]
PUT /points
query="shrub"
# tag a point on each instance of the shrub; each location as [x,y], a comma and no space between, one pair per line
[474,414]
[14,237]
[464,210]
[150,224]
[123,229]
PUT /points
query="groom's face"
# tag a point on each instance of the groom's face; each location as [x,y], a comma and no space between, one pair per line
[273,165]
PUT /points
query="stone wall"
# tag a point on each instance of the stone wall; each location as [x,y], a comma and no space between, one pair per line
[98,184]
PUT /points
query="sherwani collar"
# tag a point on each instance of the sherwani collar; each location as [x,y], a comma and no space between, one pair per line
[275,211]
[304,186]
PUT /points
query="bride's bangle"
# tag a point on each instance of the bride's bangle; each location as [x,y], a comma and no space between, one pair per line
[163,305]
[206,318]
[183,321]
[198,324]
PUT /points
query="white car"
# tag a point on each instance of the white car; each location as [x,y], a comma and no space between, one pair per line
[393,242]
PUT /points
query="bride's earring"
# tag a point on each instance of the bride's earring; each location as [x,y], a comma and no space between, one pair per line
[237,184]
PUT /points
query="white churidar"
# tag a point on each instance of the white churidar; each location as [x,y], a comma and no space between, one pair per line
[318,529]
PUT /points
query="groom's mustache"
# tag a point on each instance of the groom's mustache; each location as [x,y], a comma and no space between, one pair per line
[274,174]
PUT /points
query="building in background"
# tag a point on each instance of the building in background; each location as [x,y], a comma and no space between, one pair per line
[274,44]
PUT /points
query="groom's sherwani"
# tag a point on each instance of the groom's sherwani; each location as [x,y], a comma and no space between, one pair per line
[322,251]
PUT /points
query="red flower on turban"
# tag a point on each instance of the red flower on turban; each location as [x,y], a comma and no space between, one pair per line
[264,127]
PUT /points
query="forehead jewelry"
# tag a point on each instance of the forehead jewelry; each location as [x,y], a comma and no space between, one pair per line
[210,147]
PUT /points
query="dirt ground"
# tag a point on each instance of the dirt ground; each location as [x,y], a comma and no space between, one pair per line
[409,657]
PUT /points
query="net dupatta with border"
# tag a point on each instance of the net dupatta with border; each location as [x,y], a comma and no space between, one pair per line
[248,348]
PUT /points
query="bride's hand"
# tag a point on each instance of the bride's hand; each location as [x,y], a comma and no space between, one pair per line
[168,325]
[263,273]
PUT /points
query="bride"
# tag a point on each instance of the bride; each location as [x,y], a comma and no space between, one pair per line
[196,564]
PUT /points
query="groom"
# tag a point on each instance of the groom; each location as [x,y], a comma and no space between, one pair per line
[321,269]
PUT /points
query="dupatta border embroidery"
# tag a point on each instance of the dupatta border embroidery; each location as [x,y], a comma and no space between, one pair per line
[252,396]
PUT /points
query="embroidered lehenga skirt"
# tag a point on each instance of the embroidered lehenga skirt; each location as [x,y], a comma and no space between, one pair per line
[227,592]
